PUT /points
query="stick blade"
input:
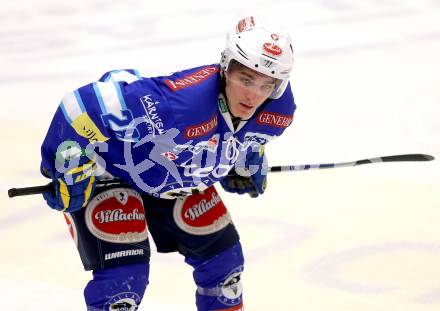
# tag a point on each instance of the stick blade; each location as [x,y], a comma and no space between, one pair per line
[408,157]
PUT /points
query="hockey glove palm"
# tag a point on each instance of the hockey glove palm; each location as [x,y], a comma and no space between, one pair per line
[73,189]
[246,180]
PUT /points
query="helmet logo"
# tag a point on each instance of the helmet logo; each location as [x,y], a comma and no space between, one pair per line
[245,24]
[272,47]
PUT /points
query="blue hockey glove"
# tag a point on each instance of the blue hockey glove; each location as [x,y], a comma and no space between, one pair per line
[248,180]
[73,189]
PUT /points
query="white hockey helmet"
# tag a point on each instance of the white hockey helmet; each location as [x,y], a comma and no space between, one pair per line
[262,49]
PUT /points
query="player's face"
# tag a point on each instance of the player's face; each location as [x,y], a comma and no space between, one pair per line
[246,90]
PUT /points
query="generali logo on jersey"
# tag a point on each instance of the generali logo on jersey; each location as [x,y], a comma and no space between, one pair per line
[118,216]
[202,213]
[274,119]
[192,79]
[201,129]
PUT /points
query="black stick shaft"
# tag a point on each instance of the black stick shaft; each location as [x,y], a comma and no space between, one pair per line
[14,192]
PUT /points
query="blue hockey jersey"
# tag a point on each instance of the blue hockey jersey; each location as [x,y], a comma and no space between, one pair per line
[162,135]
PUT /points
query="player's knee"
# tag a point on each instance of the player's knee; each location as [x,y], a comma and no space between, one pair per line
[214,269]
[218,280]
[119,288]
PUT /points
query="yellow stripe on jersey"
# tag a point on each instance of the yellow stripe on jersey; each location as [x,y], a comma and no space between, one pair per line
[85,127]
[87,168]
[65,197]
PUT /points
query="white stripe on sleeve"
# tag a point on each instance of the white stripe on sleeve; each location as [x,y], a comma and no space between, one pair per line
[71,107]
[123,76]
[109,98]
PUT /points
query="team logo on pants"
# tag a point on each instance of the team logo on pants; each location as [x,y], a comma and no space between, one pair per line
[123,302]
[117,215]
[231,289]
[202,213]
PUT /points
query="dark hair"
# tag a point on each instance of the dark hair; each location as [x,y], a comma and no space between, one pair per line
[234,65]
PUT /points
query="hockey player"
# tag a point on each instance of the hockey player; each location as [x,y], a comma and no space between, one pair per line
[168,139]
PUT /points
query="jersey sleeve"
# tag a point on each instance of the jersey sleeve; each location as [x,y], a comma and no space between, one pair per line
[74,126]
[97,113]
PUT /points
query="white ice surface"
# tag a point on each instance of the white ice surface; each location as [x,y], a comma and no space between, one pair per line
[366,82]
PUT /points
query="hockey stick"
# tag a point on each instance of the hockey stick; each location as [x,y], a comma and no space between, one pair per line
[393,158]
[273,169]
[15,192]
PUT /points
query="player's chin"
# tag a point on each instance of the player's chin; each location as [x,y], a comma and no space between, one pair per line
[245,115]
[248,113]
[245,112]
[242,112]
